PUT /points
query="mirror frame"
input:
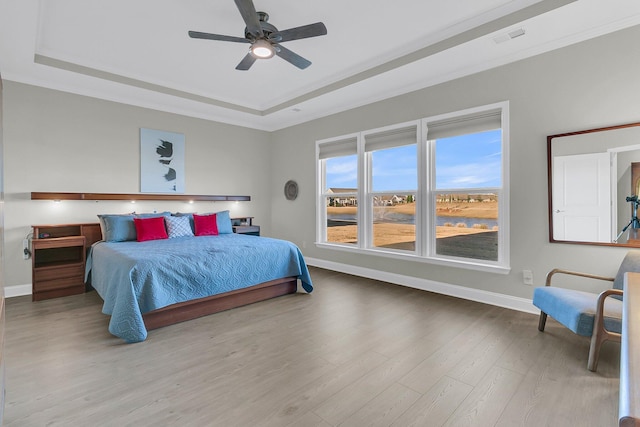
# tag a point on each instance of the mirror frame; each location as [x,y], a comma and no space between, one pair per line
[550,184]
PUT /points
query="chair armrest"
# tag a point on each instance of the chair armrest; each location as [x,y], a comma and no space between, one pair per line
[599,316]
[610,292]
[603,296]
[600,333]
[575,273]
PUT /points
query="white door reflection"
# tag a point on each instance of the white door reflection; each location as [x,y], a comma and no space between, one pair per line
[582,198]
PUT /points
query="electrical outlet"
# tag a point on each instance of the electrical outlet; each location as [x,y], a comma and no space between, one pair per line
[26,252]
[527,277]
[304,244]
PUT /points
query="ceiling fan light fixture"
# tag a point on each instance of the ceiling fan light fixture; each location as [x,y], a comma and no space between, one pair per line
[262,49]
[264,38]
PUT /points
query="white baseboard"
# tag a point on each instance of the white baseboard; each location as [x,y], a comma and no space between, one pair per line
[486,297]
[17,290]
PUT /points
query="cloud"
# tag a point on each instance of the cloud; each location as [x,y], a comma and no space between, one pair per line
[486,174]
[341,172]
[342,168]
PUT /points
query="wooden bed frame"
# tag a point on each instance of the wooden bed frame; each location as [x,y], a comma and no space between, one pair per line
[193,309]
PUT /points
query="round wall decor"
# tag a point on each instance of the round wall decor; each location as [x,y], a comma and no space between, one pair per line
[291,190]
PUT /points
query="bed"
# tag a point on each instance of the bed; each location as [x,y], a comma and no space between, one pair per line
[155,283]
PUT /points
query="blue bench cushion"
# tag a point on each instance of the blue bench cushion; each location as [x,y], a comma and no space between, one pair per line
[576,309]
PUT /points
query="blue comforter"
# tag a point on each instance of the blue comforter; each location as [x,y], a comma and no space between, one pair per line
[137,277]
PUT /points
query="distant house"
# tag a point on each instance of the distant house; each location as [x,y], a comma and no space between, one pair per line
[398,199]
[389,200]
[349,198]
[469,198]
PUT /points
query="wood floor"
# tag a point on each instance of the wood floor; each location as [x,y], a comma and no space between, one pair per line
[356,352]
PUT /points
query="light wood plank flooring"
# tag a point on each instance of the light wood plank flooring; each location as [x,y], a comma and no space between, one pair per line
[356,352]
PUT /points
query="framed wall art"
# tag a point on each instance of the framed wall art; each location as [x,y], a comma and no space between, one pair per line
[161,161]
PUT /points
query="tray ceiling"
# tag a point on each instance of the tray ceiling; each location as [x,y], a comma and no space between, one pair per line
[139,52]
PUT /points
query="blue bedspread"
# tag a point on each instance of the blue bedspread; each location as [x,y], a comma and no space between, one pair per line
[136,277]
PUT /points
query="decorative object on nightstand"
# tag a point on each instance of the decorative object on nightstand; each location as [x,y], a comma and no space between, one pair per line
[58,258]
[244,225]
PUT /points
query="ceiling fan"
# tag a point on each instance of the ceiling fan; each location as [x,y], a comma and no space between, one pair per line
[265,38]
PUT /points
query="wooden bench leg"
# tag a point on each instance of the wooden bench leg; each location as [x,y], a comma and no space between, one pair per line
[594,350]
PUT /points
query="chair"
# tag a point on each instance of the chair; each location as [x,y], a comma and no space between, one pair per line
[585,313]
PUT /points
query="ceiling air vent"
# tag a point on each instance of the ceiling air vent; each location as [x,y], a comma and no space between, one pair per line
[508,36]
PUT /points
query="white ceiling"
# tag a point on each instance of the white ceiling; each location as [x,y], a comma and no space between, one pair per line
[138,52]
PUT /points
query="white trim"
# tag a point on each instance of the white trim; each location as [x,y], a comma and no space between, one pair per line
[624,148]
[17,290]
[493,298]
[467,263]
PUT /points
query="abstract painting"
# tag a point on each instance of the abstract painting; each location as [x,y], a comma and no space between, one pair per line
[161,161]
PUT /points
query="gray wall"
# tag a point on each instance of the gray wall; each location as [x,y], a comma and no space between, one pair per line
[56,141]
[62,142]
[589,85]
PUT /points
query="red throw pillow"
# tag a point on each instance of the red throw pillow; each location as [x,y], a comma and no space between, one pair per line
[150,228]
[205,225]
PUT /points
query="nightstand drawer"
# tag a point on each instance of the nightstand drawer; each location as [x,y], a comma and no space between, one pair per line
[58,242]
[60,283]
[58,272]
[253,230]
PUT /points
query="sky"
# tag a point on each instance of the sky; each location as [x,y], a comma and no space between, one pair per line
[467,161]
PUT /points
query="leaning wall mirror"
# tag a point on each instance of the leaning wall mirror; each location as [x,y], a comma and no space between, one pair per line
[594,184]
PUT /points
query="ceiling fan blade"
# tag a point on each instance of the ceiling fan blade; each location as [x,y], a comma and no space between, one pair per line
[303,32]
[291,57]
[250,17]
[209,36]
[246,62]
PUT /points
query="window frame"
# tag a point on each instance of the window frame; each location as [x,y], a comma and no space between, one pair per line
[322,195]
[426,192]
[368,193]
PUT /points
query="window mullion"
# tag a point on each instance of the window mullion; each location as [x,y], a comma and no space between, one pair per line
[422,207]
[429,204]
[363,189]
[321,210]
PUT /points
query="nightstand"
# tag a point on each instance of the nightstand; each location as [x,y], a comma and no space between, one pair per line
[58,254]
[244,225]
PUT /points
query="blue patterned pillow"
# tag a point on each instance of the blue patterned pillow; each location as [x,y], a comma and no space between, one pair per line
[178,226]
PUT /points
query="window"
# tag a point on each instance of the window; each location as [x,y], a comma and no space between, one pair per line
[392,159]
[339,191]
[467,163]
[431,190]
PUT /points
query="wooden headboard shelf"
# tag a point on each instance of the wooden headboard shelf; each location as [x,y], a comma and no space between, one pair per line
[137,196]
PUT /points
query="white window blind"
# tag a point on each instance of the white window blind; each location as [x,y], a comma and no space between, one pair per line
[345,147]
[390,138]
[464,125]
